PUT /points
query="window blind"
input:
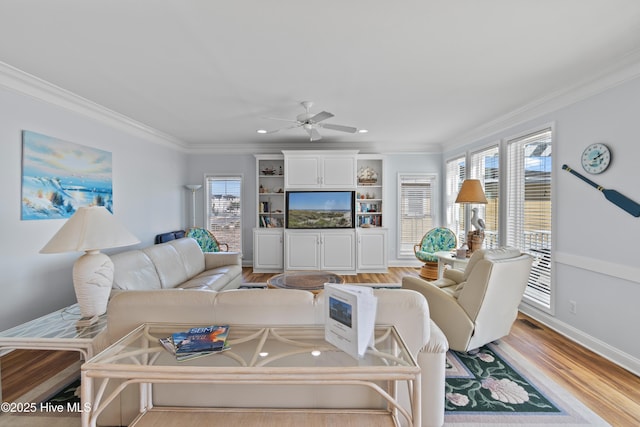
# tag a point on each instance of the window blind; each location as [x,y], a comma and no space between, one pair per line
[455,174]
[485,166]
[416,210]
[529,208]
[224,209]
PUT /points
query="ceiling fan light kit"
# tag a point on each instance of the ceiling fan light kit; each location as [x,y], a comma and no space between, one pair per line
[311,122]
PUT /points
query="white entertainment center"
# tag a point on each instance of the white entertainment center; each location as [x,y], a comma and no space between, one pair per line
[362,248]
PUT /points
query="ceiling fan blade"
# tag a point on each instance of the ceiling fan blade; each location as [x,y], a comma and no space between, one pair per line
[313,134]
[283,120]
[324,115]
[341,128]
[287,128]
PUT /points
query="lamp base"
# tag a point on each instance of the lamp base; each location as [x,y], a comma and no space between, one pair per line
[475,239]
[92,281]
[83,322]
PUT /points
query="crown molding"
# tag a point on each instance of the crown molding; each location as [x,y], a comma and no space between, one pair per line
[625,70]
[18,81]
[278,147]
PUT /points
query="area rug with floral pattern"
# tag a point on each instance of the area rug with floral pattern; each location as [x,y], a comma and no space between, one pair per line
[495,385]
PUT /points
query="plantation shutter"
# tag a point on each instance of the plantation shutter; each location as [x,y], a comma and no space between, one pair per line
[485,166]
[455,174]
[416,211]
[224,210]
[529,208]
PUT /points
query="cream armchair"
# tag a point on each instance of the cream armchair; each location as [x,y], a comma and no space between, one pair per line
[478,305]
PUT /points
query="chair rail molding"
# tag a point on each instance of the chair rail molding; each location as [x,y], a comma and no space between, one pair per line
[620,271]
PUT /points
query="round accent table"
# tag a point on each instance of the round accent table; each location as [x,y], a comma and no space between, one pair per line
[306,280]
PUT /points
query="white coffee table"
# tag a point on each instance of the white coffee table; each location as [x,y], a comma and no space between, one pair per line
[287,355]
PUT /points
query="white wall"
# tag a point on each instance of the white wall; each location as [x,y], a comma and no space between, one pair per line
[595,256]
[147,190]
[233,165]
[408,163]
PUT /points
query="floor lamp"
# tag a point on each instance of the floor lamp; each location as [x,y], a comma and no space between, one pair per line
[193,188]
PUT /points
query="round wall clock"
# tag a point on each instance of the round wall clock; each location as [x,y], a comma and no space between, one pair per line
[596,158]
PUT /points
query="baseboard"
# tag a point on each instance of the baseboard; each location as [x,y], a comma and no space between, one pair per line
[620,358]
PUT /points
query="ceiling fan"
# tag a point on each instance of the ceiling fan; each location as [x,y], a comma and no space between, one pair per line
[311,122]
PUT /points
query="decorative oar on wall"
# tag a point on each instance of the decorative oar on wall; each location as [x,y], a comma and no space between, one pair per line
[613,196]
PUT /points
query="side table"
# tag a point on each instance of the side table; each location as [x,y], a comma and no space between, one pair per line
[53,331]
[449,258]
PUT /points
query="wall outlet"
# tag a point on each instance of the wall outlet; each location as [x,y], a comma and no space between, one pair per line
[573,307]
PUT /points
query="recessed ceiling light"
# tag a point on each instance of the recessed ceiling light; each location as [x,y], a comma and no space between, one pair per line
[262,131]
[362,131]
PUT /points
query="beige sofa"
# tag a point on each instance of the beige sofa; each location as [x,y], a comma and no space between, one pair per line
[407,310]
[176,264]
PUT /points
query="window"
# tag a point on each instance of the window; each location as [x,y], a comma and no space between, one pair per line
[455,174]
[528,216]
[416,210]
[224,210]
[485,166]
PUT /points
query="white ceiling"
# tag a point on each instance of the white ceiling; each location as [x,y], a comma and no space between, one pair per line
[419,75]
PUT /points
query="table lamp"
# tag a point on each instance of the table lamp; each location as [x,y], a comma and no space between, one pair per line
[91,229]
[471,192]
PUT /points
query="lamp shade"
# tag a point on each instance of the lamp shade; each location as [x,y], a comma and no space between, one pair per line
[471,192]
[89,229]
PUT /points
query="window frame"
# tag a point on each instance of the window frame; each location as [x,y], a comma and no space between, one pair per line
[451,192]
[432,178]
[473,172]
[506,178]
[208,214]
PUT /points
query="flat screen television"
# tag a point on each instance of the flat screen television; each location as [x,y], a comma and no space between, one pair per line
[320,209]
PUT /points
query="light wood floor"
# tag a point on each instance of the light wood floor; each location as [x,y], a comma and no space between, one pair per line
[610,391]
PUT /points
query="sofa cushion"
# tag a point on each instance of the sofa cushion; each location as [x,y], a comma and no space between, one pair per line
[191,256]
[216,279]
[134,270]
[266,307]
[169,265]
[209,281]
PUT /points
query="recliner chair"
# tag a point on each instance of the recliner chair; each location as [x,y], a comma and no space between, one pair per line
[478,305]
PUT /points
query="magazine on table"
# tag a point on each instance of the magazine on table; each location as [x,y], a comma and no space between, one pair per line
[350,317]
[197,342]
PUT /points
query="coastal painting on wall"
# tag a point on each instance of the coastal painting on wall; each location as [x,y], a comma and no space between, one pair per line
[58,177]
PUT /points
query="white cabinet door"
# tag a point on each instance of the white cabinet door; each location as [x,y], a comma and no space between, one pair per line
[320,250]
[372,250]
[302,172]
[302,250]
[268,248]
[338,250]
[321,170]
[339,171]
